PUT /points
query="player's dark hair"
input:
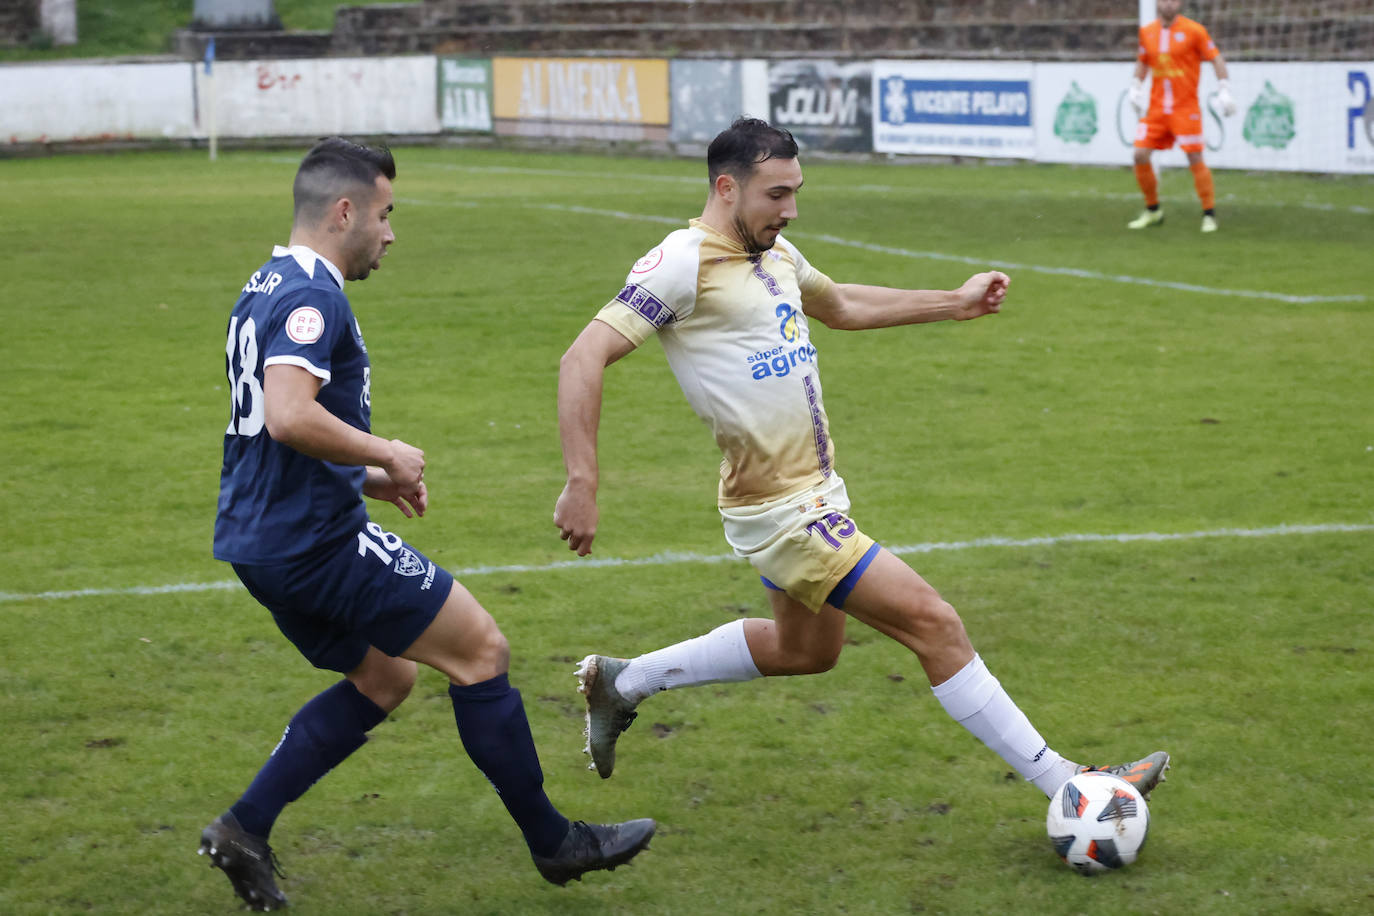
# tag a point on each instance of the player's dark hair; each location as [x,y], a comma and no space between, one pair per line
[739,148]
[333,168]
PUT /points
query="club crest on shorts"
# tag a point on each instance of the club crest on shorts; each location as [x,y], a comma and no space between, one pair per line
[408,563]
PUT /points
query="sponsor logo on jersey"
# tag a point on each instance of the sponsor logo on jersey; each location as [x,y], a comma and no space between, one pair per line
[788,328]
[305,325]
[779,361]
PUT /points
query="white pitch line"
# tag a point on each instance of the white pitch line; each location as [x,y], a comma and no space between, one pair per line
[1076,272]
[1083,274]
[676,558]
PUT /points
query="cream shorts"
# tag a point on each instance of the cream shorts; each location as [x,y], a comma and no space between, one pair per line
[804,543]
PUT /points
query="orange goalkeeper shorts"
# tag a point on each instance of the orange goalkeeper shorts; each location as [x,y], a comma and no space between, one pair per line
[1158,130]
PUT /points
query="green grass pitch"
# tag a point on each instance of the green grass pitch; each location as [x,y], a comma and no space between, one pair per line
[1157,383]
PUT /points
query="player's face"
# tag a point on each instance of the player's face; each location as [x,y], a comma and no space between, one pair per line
[371,234]
[766,202]
[1168,9]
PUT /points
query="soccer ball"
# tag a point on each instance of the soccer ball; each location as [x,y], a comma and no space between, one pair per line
[1097,822]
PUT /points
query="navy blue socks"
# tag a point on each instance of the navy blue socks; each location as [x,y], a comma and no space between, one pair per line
[491,721]
[324,732]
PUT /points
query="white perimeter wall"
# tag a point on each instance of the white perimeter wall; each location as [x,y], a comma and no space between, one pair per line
[285,98]
[1328,108]
[61,102]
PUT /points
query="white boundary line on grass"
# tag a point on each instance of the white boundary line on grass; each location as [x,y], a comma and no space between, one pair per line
[675,558]
[1076,272]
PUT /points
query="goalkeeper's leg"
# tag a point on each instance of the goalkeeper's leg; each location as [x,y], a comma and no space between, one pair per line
[1149,186]
[1145,177]
[1206,193]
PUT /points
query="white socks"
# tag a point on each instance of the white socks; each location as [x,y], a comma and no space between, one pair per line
[720,656]
[975,699]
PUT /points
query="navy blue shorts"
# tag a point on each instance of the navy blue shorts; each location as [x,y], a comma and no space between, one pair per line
[372,589]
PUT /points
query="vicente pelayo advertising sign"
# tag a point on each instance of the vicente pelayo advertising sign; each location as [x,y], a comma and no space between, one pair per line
[825,104]
[598,98]
[953,108]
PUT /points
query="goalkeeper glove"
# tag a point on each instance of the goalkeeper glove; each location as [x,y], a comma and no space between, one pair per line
[1225,100]
[1138,97]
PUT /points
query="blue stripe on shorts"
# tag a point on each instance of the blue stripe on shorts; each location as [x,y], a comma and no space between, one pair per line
[846,585]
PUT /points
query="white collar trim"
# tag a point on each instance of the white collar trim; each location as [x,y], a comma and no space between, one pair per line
[307,258]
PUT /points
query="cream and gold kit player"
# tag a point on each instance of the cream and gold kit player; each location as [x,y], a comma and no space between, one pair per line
[733,329]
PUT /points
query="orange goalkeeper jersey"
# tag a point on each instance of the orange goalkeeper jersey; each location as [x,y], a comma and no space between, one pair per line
[1174,56]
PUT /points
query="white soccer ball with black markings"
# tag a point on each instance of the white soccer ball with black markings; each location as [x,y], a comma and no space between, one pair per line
[1097,823]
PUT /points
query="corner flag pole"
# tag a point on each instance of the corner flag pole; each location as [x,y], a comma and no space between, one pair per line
[210,98]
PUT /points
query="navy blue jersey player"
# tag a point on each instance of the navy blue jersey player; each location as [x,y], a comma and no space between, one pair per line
[299,455]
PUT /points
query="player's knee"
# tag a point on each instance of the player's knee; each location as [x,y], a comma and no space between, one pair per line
[933,619]
[496,651]
[816,658]
[487,655]
[823,658]
[400,683]
[387,685]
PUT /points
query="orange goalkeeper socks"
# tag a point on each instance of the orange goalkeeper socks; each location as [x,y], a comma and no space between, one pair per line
[1149,185]
[1202,180]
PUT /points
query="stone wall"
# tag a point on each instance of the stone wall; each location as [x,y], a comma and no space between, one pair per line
[992,29]
[756,28]
[19,22]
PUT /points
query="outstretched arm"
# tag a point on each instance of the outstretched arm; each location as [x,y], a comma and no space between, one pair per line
[854,307]
[580,376]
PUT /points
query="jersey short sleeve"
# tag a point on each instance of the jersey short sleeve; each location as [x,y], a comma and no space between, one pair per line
[1206,48]
[810,281]
[306,329]
[660,289]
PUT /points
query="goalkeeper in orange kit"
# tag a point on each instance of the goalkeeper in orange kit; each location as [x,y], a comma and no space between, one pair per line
[1172,49]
